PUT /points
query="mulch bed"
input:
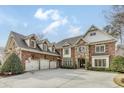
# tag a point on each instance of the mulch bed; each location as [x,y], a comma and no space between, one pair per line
[119,80]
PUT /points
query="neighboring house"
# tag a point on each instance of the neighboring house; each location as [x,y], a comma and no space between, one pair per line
[35,54]
[1,55]
[120,50]
[95,47]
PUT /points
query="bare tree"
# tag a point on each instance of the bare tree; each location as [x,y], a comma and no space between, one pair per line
[115,18]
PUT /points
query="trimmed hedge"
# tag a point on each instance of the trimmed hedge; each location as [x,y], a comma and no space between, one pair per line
[99,69]
[117,64]
[12,65]
[74,66]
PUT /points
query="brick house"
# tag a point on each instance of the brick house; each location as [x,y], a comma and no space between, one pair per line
[95,47]
[34,53]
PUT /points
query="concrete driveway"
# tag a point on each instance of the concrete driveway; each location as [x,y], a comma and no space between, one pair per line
[57,78]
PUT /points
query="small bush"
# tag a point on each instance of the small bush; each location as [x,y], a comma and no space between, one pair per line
[117,64]
[97,69]
[88,66]
[12,65]
[74,66]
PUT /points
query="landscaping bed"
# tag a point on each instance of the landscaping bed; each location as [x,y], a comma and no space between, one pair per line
[119,80]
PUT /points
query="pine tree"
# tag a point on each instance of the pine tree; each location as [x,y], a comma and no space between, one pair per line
[13,65]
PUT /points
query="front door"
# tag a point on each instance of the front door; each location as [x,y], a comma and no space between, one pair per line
[81,62]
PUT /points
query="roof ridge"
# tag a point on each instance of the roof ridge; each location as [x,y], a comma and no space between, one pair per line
[17,33]
[70,38]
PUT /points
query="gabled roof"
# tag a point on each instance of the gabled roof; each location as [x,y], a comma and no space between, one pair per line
[71,41]
[20,41]
[94,28]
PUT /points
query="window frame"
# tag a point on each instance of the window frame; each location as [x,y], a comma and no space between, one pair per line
[83,49]
[92,33]
[66,51]
[34,43]
[100,63]
[45,47]
[99,46]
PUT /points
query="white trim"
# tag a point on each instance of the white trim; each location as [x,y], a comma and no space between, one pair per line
[66,44]
[69,52]
[34,43]
[11,37]
[99,46]
[36,51]
[101,57]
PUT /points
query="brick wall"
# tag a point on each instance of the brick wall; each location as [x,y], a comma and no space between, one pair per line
[73,54]
[36,56]
[110,50]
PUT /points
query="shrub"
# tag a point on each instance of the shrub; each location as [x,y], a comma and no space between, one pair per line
[97,69]
[88,65]
[0,62]
[74,66]
[117,64]
[12,65]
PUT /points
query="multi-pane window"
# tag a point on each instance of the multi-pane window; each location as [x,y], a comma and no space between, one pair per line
[66,51]
[100,62]
[92,34]
[32,43]
[100,48]
[67,61]
[45,47]
[53,49]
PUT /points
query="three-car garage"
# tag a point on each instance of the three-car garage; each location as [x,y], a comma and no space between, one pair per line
[31,65]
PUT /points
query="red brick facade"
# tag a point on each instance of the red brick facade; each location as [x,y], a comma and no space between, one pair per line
[109,50]
[26,54]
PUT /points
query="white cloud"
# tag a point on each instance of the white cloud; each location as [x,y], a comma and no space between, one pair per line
[74,31]
[54,25]
[44,15]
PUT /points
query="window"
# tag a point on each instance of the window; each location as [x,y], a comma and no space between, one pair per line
[100,62]
[81,49]
[53,49]
[92,34]
[67,61]
[100,48]
[66,51]
[45,47]
[33,44]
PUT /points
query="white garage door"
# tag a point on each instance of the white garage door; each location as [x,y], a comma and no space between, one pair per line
[44,64]
[31,65]
[53,64]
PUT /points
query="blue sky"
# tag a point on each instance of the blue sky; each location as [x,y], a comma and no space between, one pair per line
[54,22]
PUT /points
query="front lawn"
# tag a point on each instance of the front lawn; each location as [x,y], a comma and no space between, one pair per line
[119,80]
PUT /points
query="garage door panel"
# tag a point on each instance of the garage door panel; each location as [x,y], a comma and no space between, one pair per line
[53,64]
[32,65]
[44,64]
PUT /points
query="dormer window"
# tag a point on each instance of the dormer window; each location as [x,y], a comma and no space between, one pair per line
[92,34]
[33,44]
[53,49]
[45,47]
